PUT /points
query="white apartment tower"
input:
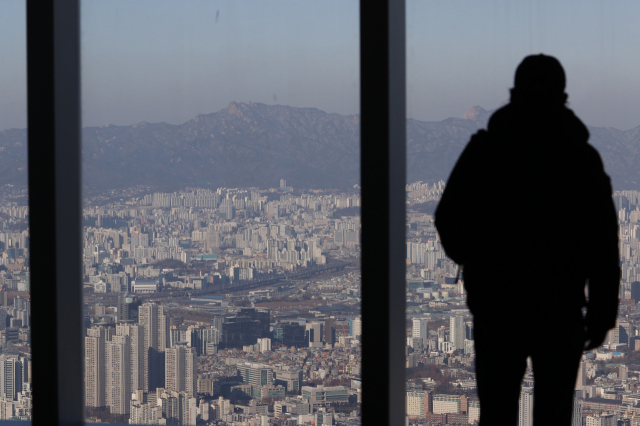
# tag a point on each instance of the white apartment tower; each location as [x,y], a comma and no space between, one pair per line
[95,374]
[135,333]
[457,331]
[118,374]
[421,330]
[181,367]
[265,344]
[151,316]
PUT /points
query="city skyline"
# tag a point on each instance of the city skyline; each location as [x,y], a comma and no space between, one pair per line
[232,296]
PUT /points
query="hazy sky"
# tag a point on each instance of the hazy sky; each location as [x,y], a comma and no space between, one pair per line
[153,60]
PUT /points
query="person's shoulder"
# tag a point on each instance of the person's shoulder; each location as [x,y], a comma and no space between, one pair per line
[590,167]
[477,145]
[501,117]
[575,125]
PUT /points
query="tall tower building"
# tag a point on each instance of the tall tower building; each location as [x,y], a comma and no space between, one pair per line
[153,319]
[135,333]
[469,330]
[11,376]
[581,380]
[457,331]
[123,307]
[181,366]
[356,327]
[576,417]
[635,291]
[118,373]
[525,416]
[313,334]
[620,333]
[329,331]
[623,372]
[95,374]
[421,330]
[212,240]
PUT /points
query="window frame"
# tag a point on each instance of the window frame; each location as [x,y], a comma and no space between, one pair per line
[55,203]
[55,215]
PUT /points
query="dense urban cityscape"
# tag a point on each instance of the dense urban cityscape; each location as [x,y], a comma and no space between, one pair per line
[241,306]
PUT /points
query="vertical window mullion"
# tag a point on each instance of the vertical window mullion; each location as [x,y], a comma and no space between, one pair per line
[53,115]
[383,164]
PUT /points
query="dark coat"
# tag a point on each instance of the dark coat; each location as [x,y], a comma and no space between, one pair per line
[528,211]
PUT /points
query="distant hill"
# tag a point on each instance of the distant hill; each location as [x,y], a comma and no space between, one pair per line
[249,144]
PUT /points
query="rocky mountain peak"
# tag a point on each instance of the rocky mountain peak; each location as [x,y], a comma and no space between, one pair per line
[475,113]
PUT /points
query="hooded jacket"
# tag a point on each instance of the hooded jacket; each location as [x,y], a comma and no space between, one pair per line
[528,212]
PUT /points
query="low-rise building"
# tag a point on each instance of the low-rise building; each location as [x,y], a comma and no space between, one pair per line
[322,395]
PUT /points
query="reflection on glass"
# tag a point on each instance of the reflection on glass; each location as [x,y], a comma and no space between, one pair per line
[15,297]
[221,212]
[460,65]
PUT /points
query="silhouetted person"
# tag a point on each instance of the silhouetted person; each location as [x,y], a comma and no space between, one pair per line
[528,212]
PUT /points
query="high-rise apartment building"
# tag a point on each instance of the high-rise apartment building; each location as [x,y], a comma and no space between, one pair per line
[635,291]
[153,319]
[11,376]
[135,333]
[127,307]
[418,404]
[181,367]
[457,331]
[420,330]
[212,240]
[198,338]
[95,363]
[469,346]
[178,408]
[216,322]
[623,372]
[264,344]
[355,327]
[118,374]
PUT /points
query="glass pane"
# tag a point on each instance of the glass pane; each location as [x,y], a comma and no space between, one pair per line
[15,297]
[461,63]
[222,211]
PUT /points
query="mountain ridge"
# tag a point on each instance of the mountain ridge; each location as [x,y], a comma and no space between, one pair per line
[252,144]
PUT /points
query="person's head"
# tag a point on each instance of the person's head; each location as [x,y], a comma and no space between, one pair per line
[539,79]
